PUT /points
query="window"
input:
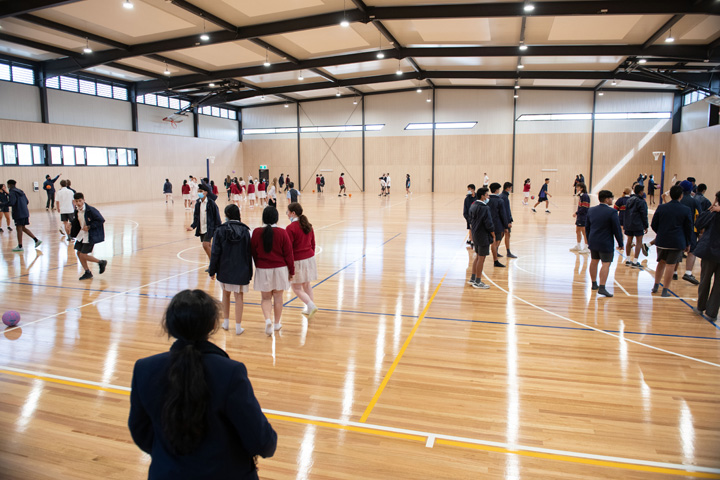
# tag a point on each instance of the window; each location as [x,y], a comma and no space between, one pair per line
[68,155]
[219,112]
[87,88]
[38,157]
[23,75]
[119,93]
[24,154]
[122,156]
[69,84]
[162,101]
[140,99]
[589,116]
[5,72]
[55,156]
[441,126]
[9,155]
[79,156]
[150,99]
[331,128]
[112,156]
[53,82]
[693,97]
[175,104]
[104,90]
[97,156]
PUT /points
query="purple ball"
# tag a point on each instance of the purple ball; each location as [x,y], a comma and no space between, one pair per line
[11,318]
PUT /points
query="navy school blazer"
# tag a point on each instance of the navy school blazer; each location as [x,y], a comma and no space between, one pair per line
[601,226]
[673,225]
[213,217]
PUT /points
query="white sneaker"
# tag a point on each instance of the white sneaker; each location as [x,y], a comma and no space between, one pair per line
[311,313]
[584,250]
[268,328]
[278,326]
[576,248]
[226,324]
[239,330]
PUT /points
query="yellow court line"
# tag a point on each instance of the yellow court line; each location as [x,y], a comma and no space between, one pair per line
[67,382]
[350,428]
[586,461]
[395,363]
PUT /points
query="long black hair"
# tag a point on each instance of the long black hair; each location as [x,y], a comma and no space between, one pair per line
[232,212]
[191,317]
[297,209]
[269,217]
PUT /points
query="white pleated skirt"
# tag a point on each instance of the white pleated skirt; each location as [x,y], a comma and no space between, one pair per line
[236,197]
[228,287]
[262,194]
[305,270]
[268,279]
[251,196]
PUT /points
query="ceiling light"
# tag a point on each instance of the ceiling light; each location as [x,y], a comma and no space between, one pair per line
[398,71]
[670,38]
[87,48]
[354,102]
[429,100]
[521,66]
[529,7]
[262,98]
[337,94]
[211,85]
[516,96]
[523,47]
[613,83]
[419,90]
[344,23]
[380,55]
[642,60]
[167,70]
[287,106]
[300,77]
[517,87]
[204,37]
[600,94]
[128,5]
[267,59]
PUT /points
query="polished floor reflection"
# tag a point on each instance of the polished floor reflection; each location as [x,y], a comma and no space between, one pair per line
[405,373]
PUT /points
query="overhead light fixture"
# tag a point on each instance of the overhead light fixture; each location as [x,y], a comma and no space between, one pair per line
[516,96]
[128,5]
[642,60]
[419,90]
[521,66]
[529,7]
[600,94]
[87,48]
[211,85]
[287,106]
[517,87]
[354,102]
[380,55]
[523,47]
[204,37]
[337,94]
[344,22]
[429,98]
[267,59]
[398,71]
[613,83]
[670,38]
[300,77]
[262,98]
[167,70]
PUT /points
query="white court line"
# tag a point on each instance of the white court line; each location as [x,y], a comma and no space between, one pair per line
[657,297]
[599,330]
[191,261]
[100,300]
[331,225]
[431,437]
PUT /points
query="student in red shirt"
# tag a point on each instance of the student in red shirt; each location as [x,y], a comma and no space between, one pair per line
[261,192]
[302,238]
[274,266]
[186,195]
[342,185]
[526,191]
[251,193]
[318,185]
[235,192]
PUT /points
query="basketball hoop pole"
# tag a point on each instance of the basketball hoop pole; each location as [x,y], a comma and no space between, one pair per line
[207,164]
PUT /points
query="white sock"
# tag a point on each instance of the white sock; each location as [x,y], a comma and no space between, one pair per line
[578,246]
[226,324]
[311,306]
[688,272]
[635,260]
[238,329]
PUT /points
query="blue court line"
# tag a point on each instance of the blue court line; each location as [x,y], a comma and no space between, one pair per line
[691,307]
[343,268]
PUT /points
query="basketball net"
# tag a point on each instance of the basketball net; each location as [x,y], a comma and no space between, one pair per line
[657,155]
[172,120]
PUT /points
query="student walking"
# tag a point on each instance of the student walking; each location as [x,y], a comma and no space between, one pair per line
[287,182]
[167,191]
[87,230]
[20,214]
[317,183]
[281,181]
[251,193]
[526,192]
[483,234]
[636,225]
[272,194]
[274,267]
[193,190]
[383,185]
[486,180]
[387,183]
[543,196]
[580,216]
[49,187]
[652,186]
[322,182]
[689,201]
[708,250]
[621,205]
[467,203]
[193,409]
[187,199]
[231,261]
[66,207]
[235,193]
[407,185]
[341,181]
[672,222]
[302,238]
[206,219]
[292,194]
[228,182]
[601,226]
[499,219]
[505,196]
[4,207]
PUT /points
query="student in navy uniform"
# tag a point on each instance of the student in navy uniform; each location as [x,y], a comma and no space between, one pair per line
[620,205]
[407,185]
[543,196]
[4,208]
[20,214]
[703,203]
[580,216]
[499,218]
[636,225]
[672,222]
[641,179]
[601,226]
[505,196]
[483,233]
[708,249]
[87,228]
[193,409]
[49,187]
[689,201]
[167,190]
[469,199]
[206,218]
[652,186]
[292,194]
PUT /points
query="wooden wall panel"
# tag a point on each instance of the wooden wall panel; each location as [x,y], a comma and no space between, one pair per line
[399,156]
[697,154]
[632,150]
[160,157]
[280,155]
[342,154]
[463,159]
[569,153]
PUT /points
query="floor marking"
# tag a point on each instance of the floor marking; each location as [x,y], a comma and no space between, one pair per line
[654,297]
[398,357]
[599,330]
[622,288]
[331,225]
[101,300]
[191,261]
[430,439]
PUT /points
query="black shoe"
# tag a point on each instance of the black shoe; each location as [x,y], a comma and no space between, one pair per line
[691,279]
[498,264]
[665,293]
[510,255]
[712,319]
[602,291]
[655,288]
[645,249]
[628,263]
[103,264]
[1,230]
[9,229]
[594,286]
[87,276]
[674,276]
[499,255]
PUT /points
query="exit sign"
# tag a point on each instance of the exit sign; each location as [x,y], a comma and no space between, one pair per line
[263,167]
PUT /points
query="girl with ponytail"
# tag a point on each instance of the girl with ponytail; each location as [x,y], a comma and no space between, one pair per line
[192,408]
[302,238]
[274,267]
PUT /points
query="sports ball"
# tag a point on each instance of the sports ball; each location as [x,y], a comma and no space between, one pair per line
[350,195]
[313,191]
[532,197]
[11,318]
[47,187]
[233,171]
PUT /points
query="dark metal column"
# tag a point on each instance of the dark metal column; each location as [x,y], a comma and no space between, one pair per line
[432,187]
[44,110]
[196,122]
[677,112]
[592,143]
[133,109]
[362,106]
[512,175]
[298,141]
[240,126]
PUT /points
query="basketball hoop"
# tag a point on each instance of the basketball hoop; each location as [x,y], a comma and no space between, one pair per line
[173,120]
[657,155]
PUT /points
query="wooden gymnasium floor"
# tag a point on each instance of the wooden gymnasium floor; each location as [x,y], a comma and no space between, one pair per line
[406,373]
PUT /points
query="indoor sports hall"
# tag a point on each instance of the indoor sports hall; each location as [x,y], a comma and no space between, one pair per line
[406,371]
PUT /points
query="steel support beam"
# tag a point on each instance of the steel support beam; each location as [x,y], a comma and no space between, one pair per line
[13,8]
[34,19]
[661,31]
[189,7]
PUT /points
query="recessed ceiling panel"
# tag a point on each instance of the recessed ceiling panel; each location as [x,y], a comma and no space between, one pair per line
[327,39]
[707,29]
[223,54]
[324,92]
[467,63]
[42,35]
[453,30]
[142,20]
[256,8]
[608,28]
[283,78]
[379,67]
[473,81]
[552,82]
[392,85]
[25,52]
[117,73]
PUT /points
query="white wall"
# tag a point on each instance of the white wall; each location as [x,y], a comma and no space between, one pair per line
[150,121]
[68,108]
[19,102]
[217,128]
[492,109]
[694,116]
